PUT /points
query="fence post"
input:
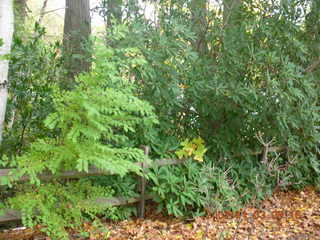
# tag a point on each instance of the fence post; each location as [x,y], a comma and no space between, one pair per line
[142,182]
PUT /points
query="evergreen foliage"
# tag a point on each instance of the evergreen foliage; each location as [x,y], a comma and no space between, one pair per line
[35,67]
[254,77]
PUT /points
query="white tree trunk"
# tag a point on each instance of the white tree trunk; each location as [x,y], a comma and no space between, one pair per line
[6,32]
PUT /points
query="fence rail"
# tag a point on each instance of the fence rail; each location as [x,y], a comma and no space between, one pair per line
[92,171]
[12,215]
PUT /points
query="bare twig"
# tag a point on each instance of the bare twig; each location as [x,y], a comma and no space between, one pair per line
[313,66]
[271,165]
[205,235]
[42,11]
[28,9]
[54,10]
[266,145]
[238,225]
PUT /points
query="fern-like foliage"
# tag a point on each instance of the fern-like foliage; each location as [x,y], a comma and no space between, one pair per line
[95,126]
[93,122]
[56,207]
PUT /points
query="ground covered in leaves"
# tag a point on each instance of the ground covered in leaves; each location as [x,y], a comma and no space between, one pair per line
[293,215]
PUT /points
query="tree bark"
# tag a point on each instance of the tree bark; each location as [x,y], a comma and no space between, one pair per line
[77,30]
[200,25]
[6,32]
[21,7]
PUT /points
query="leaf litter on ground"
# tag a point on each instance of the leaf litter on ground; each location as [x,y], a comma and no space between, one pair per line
[291,215]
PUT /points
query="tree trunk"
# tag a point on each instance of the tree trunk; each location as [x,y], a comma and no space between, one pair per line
[114,12]
[21,7]
[6,32]
[77,30]
[200,25]
[20,14]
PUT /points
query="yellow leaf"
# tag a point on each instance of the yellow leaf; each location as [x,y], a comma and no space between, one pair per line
[198,141]
[198,158]
[180,153]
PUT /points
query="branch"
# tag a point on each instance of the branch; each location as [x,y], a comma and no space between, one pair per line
[53,10]
[42,11]
[266,146]
[313,66]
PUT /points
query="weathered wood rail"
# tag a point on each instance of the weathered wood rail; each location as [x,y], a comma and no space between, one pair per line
[92,171]
[11,215]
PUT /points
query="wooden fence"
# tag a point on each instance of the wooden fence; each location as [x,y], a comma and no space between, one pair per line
[11,215]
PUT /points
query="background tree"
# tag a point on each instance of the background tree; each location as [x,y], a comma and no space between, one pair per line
[114,12]
[200,25]
[21,9]
[6,32]
[77,29]
[231,18]
[313,34]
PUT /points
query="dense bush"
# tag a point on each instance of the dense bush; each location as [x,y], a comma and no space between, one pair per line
[192,189]
[92,122]
[253,78]
[57,207]
[35,67]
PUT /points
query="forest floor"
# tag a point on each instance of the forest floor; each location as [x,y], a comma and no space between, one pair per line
[293,215]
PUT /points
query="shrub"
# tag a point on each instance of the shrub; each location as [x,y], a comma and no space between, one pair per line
[35,67]
[192,189]
[93,123]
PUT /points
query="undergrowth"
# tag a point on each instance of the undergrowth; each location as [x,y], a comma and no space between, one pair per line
[93,123]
